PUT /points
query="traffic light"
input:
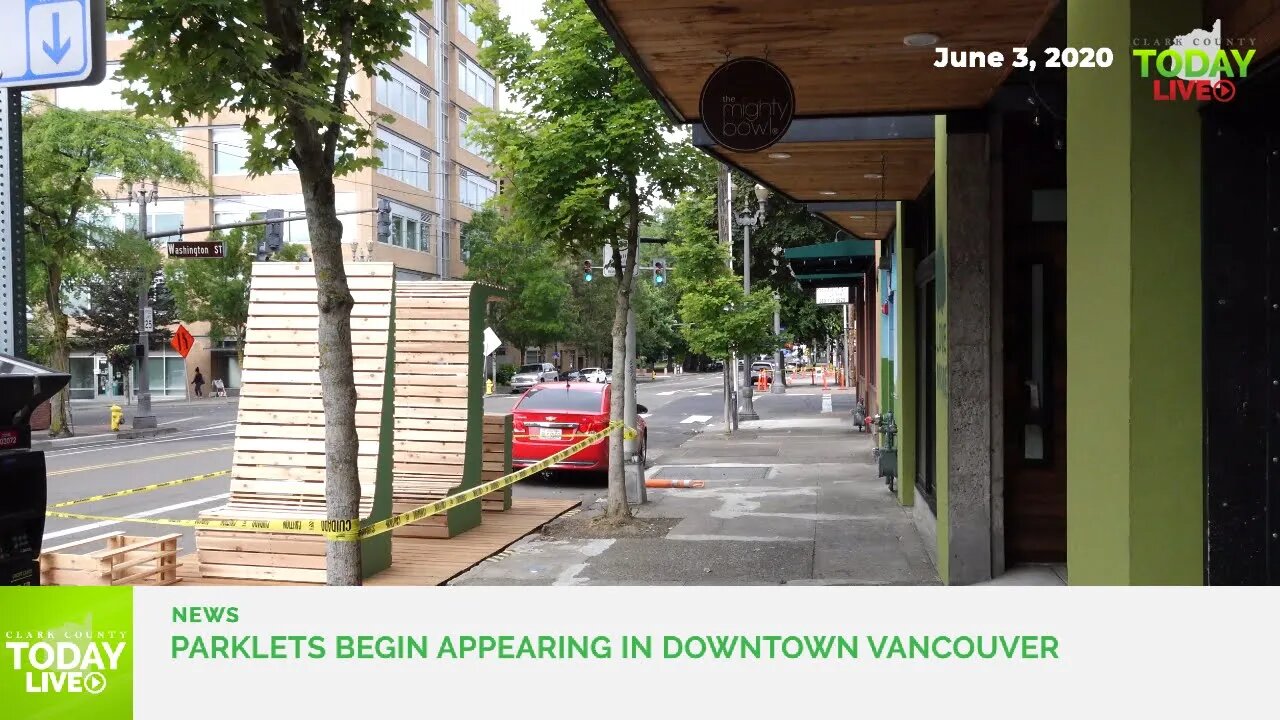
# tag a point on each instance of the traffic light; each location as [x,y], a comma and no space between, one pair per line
[384,220]
[659,272]
[274,237]
[586,271]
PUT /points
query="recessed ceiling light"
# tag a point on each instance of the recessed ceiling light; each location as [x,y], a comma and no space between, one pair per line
[780,156]
[920,40]
[873,176]
[826,192]
[858,217]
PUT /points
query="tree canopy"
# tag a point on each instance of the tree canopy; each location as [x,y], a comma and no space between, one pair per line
[64,152]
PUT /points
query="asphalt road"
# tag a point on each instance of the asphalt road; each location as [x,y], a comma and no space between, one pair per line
[677,406]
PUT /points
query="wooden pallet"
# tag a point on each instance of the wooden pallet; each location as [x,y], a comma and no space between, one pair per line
[126,560]
[418,561]
[439,386]
[279,465]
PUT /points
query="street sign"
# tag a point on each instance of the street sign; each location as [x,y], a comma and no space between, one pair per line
[203,249]
[182,341]
[832,296]
[148,320]
[53,43]
[491,341]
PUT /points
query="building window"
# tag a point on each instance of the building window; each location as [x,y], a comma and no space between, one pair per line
[466,25]
[404,95]
[420,38]
[474,189]
[230,151]
[474,81]
[403,160]
[471,146]
[411,228]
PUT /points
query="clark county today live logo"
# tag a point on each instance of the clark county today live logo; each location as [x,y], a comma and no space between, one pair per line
[67,652]
[1198,66]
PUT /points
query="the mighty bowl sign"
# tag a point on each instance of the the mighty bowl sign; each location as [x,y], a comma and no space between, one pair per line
[747,104]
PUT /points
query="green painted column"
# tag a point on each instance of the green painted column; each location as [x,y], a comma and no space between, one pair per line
[941,420]
[1134,428]
[904,366]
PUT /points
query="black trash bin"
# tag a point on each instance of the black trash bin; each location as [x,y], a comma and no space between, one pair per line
[23,490]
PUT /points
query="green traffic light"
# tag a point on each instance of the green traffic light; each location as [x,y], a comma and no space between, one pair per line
[587,277]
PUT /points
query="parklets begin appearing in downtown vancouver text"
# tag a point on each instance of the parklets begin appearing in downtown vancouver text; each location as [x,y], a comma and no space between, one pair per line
[231,646]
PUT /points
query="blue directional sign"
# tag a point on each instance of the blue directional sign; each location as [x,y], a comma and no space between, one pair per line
[52,43]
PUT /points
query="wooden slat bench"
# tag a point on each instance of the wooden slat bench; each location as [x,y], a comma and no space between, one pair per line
[278,469]
[439,407]
[497,459]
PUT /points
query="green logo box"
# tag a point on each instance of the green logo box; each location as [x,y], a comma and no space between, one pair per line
[66,652]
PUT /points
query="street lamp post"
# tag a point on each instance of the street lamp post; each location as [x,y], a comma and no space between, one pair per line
[778,387]
[747,221]
[143,418]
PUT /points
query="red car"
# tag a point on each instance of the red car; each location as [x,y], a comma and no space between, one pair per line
[550,417]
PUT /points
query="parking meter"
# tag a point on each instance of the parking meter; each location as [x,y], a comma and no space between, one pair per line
[23,490]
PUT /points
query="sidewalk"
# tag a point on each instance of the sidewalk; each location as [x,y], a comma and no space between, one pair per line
[789,499]
[91,419]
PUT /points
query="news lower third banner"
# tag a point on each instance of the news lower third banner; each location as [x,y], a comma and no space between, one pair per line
[671,652]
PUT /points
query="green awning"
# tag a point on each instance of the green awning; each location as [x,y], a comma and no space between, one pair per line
[842,250]
[830,276]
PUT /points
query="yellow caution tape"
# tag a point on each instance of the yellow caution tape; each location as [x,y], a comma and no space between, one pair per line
[345,530]
[332,529]
[144,488]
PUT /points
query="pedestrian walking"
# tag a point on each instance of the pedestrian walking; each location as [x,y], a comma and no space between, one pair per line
[198,383]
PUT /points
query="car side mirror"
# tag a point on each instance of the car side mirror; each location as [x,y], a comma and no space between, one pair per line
[641,410]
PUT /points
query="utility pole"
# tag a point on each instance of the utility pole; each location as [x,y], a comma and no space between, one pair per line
[634,475]
[143,419]
[747,221]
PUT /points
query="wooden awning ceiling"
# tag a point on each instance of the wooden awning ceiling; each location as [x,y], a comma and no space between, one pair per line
[845,58]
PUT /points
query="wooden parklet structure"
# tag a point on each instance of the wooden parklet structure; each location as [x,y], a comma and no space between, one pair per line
[278,469]
[418,362]
[440,428]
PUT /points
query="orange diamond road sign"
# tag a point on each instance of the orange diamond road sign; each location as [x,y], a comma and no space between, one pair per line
[182,341]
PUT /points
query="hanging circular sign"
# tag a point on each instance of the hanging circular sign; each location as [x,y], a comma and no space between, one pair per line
[747,104]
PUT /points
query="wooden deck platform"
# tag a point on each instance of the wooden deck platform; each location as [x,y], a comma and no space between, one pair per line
[428,561]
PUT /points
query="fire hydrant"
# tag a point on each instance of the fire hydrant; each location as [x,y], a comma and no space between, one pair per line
[117,415]
[488,387]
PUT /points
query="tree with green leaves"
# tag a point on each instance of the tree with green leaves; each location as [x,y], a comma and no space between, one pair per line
[501,254]
[216,290]
[111,317]
[63,151]
[717,319]
[284,65]
[586,160]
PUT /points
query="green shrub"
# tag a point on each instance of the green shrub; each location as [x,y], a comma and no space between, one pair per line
[504,374]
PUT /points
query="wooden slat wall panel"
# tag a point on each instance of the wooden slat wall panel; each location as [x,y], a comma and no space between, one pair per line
[279,460]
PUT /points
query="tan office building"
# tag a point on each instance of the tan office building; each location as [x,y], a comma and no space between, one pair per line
[432,175]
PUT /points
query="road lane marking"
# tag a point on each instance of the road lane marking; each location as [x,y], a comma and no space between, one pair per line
[68,471]
[143,514]
[669,392]
[695,419]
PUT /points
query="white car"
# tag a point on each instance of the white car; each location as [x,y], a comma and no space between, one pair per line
[595,375]
[529,375]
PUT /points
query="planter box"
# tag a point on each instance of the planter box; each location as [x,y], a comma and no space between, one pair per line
[127,560]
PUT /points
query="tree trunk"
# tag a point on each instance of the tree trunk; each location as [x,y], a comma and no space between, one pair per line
[337,382]
[616,508]
[60,355]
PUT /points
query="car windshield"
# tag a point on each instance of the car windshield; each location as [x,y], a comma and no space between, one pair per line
[530,368]
[561,398]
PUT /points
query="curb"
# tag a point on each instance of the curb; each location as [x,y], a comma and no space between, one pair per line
[99,438]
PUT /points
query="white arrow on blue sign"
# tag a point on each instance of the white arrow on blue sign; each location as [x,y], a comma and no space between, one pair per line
[52,43]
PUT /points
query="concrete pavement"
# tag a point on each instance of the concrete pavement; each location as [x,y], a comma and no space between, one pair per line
[202,439]
[790,499]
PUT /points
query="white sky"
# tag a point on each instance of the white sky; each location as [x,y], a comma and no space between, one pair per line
[522,14]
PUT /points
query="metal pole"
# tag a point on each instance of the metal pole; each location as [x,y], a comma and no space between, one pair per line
[13,284]
[143,419]
[778,386]
[634,471]
[845,344]
[748,408]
